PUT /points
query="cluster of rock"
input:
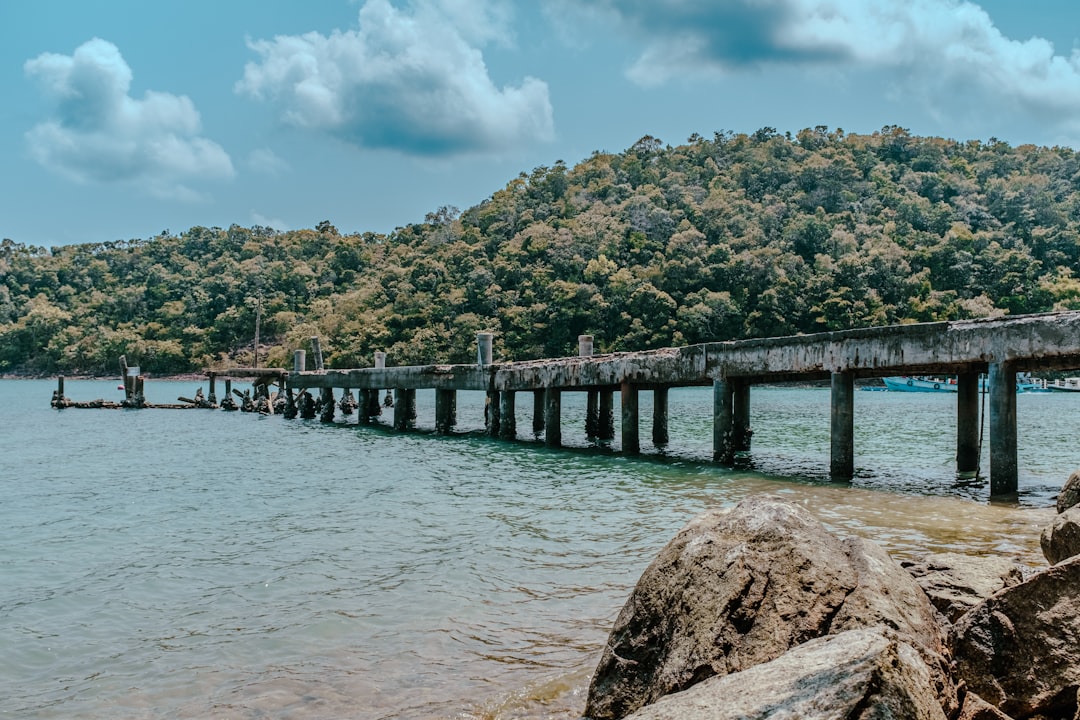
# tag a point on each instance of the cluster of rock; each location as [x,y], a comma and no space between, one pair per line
[759,611]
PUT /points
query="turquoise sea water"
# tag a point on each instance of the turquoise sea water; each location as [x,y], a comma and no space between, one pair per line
[195,564]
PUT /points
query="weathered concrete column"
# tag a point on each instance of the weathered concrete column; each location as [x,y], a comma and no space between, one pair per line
[212,398]
[507,416]
[316,352]
[553,417]
[327,412]
[1004,476]
[592,414]
[380,359]
[539,411]
[631,438]
[445,411]
[299,360]
[60,387]
[484,344]
[585,345]
[722,422]
[492,415]
[606,420]
[842,426]
[402,419]
[740,416]
[967,424]
[660,416]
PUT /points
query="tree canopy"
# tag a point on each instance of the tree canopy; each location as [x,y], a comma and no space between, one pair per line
[737,236]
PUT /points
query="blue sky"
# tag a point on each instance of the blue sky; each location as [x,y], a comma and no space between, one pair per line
[124,118]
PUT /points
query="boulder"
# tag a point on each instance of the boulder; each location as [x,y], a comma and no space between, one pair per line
[1060,539]
[956,583]
[1020,649]
[740,587]
[975,708]
[1070,492]
[856,675]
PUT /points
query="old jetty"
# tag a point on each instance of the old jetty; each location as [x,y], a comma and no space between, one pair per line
[998,347]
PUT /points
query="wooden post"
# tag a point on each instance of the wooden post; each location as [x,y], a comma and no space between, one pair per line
[606,418]
[722,422]
[539,411]
[507,419]
[631,441]
[660,417]
[967,424]
[740,416]
[842,425]
[553,417]
[1004,475]
[445,411]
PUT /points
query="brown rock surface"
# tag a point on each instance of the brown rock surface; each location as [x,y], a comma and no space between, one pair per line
[856,675]
[956,583]
[1060,540]
[1070,492]
[1020,649]
[975,708]
[740,587]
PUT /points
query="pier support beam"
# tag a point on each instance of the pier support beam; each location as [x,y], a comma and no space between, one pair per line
[722,422]
[740,416]
[592,415]
[631,440]
[212,399]
[327,413]
[539,412]
[404,409]
[492,417]
[842,424]
[445,411]
[507,416]
[660,417]
[553,417]
[1003,467]
[967,424]
[606,412]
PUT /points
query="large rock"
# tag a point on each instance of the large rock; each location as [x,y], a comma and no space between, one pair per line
[975,708]
[856,675]
[956,583]
[1070,492]
[737,588]
[1060,540]
[1020,649]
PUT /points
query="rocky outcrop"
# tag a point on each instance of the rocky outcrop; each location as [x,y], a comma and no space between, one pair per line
[858,674]
[975,708]
[1070,492]
[737,588]
[1020,649]
[1060,540]
[956,583]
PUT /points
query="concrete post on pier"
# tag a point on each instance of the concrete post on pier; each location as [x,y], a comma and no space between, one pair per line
[1001,384]
[631,438]
[484,348]
[660,417]
[539,412]
[842,426]
[212,398]
[967,424]
[723,452]
[606,419]
[553,417]
[445,411]
[740,416]
[299,360]
[507,418]
[316,353]
[592,410]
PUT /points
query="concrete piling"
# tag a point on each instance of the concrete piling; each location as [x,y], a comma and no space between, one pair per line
[660,417]
[539,413]
[507,418]
[1001,384]
[445,411]
[967,424]
[723,452]
[842,424]
[553,417]
[631,440]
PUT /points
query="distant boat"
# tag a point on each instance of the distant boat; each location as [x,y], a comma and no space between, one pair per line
[1067,385]
[1024,383]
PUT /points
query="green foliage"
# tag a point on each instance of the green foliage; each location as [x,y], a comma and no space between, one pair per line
[738,236]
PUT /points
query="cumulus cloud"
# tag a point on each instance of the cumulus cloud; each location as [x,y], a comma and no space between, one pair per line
[413,81]
[934,49]
[101,134]
[266,162]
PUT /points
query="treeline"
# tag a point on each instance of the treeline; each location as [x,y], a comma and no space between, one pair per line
[736,236]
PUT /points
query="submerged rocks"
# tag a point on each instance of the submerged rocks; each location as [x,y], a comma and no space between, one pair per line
[956,583]
[740,587]
[1060,540]
[1020,649]
[858,674]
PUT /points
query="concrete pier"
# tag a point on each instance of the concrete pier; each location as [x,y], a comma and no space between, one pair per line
[553,417]
[445,411]
[740,416]
[967,424]
[631,438]
[1001,384]
[660,417]
[723,419]
[539,413]
[508,416]
[606,415]
[842,427]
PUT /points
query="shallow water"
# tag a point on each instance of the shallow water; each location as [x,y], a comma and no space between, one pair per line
[187,564]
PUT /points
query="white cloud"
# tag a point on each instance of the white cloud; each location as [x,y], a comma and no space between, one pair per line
[102,134]
[407,81]
[266,162]
[947,54]
[275,223]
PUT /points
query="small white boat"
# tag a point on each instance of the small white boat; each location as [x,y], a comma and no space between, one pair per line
[1066,385]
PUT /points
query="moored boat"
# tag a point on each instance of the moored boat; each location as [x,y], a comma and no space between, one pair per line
[1024,383]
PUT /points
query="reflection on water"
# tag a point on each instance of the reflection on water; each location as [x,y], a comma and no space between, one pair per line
[193,564]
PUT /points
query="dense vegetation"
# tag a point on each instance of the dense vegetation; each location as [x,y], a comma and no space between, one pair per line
[731,237]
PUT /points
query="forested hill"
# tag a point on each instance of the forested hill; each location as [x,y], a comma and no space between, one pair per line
[736,236]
